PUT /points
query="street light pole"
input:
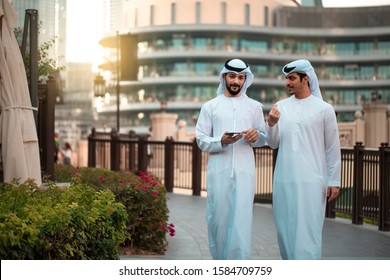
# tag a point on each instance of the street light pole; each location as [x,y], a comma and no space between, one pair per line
[117,82]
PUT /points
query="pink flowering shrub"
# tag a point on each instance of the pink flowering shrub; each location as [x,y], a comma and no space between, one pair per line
[144,197]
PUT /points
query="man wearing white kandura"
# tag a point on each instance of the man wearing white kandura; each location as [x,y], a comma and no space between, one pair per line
[228,128]
[308,165]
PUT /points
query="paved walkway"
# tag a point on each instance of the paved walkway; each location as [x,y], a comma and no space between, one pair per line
[341,240]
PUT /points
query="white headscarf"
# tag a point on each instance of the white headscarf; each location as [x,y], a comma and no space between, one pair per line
[304,66]
[236,66]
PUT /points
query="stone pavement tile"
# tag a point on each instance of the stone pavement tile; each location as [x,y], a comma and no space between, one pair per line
[344,240]
[341,239]
[182,246]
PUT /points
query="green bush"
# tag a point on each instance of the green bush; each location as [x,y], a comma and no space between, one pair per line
[144,198]
[60,223]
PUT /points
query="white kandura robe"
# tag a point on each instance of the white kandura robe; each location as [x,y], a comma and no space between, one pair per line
[308,162]
[230,173]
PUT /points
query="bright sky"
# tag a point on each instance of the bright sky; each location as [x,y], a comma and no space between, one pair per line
[84,30]
[84,26]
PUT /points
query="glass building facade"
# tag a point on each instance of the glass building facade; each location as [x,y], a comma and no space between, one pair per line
[51,23]
[179,57]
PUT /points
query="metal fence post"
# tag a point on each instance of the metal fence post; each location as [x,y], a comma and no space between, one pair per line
[330,209]
[45,124]
[142,154]
[274,157]
[169,164]
[92,148]
[132,155]
[384,187]
[196,169]
[357,216]
[114,152]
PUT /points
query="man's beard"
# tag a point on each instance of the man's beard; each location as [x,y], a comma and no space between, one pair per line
[291,92]
[231,91]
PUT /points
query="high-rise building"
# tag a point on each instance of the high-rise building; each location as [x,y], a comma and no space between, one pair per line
[311,3]
[51,23]
[114,13]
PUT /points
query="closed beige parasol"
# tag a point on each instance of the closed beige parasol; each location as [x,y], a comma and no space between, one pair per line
[19,149]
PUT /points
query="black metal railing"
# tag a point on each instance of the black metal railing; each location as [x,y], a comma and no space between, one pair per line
[365,179]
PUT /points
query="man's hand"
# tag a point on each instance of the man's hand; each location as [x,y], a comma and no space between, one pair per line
[332,193]
[230,139]
[274,116]
[251,135]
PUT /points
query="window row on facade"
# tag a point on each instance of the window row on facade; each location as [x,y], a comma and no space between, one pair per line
[349,71]
[249,16]
[181,42]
